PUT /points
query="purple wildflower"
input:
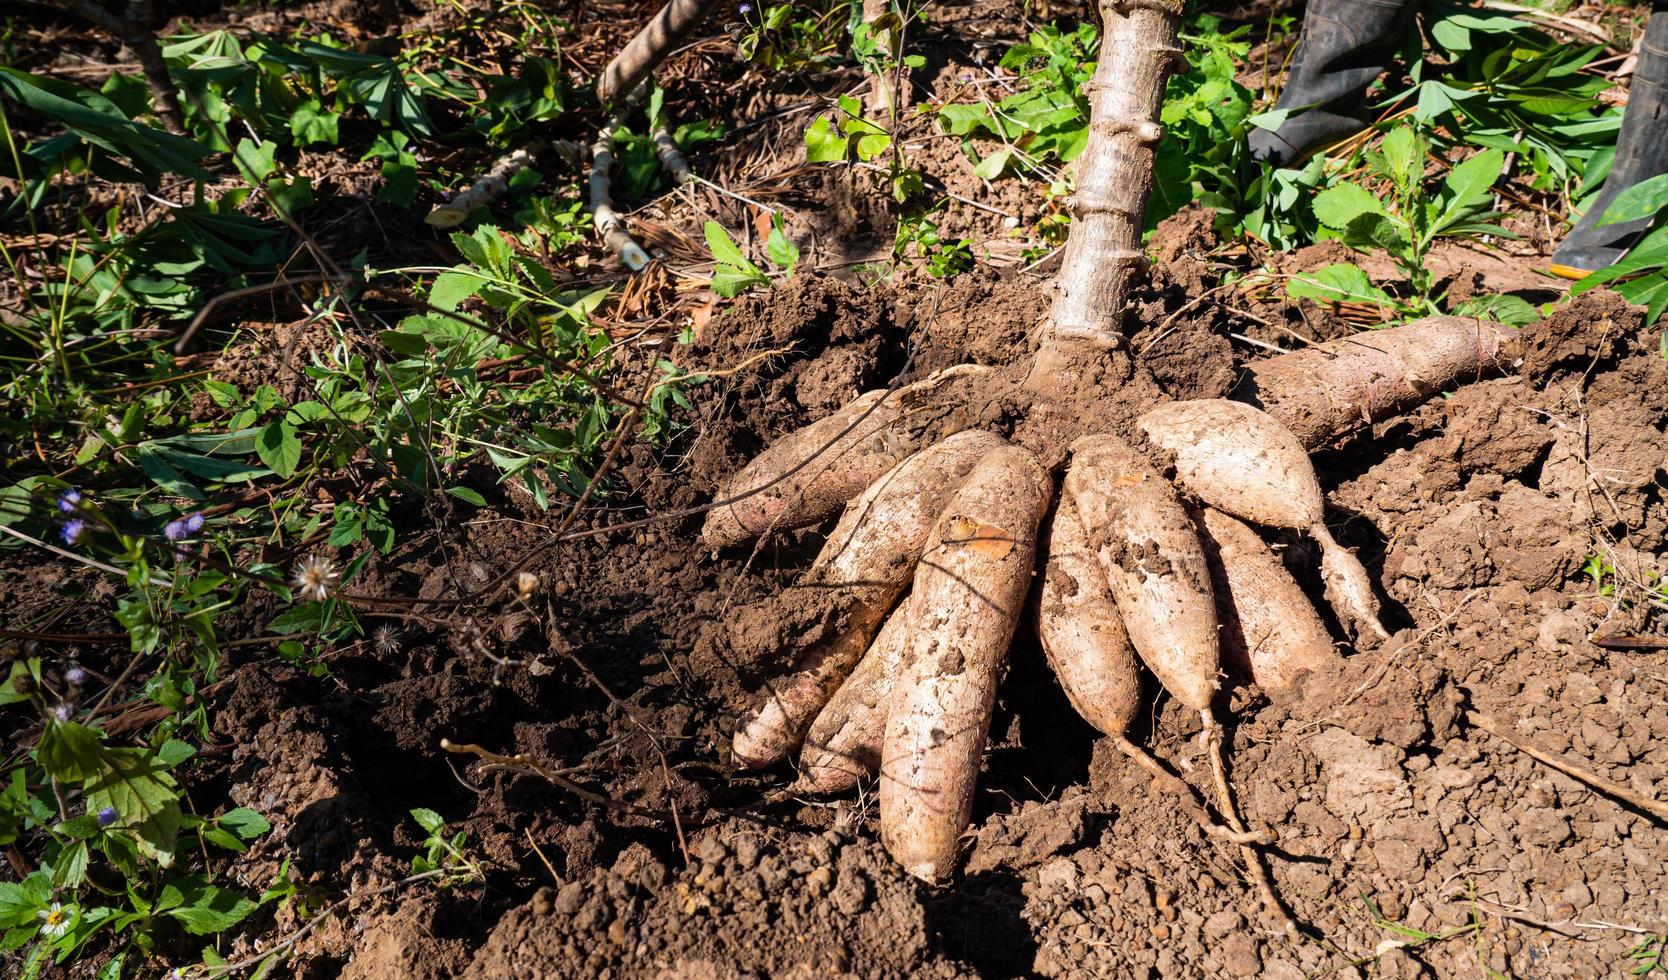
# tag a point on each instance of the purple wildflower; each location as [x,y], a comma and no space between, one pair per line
[175,531]
[76,676]
[69,500]
[63,711]
[744,9]
[107,816]
[194,523]
[72,529]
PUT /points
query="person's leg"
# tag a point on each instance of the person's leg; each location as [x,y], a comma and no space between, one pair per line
[1345,46]
[1641,153]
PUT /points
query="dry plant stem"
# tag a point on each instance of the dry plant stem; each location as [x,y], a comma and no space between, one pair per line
[1230,812]
[644,52]
[134,31]
[495,183]
[882,99]
[609,225]
[1114,175]
[671,158]
[1609,787]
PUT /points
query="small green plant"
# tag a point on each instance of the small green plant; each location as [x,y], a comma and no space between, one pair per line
[1406,222]
[443,854]
[1044,123]
[734,272]
[792,37]
[121,856]
[1647,956]
[918,238]
[844,133]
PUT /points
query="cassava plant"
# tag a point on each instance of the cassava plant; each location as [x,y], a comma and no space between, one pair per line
[1145,556]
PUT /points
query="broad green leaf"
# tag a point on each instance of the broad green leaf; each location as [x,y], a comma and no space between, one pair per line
[244,822]
[428,819]
[723,247]
[1511,310]
[1338,283]
[138,785]
[450,289]
[467,495]
[1340,204]
[204,908]
[991,167]
[782,251]
[1643,200]
[279,448]
[1466,189]
[823,144]
[70,752]
[872,145]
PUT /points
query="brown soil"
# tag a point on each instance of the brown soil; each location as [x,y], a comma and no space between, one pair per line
[1476,517]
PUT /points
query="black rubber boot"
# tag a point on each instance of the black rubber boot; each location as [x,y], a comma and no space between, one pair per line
[1641,153]
[1345,46]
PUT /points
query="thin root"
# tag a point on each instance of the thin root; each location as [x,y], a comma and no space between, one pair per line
[1165,780]
[1251,856]
[1609,787]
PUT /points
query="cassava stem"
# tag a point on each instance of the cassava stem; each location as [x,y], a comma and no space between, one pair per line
[1103,254]
[644,52]
[134,30]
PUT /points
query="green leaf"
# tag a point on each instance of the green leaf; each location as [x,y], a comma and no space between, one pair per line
[823,144]
[729,282]
[204,909]
[1338,283]
[467,495]
[724,249]
[70,752]
[872,145]
[279,448]
[1511,310]
[782,251]
[1643,200]
[1466,188]
[1340,204]
[310,124]
[428,820]
[450,289]
[991,167]
[256,161]
[137,784]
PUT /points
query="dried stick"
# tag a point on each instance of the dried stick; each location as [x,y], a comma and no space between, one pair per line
[1115,173]
[1609,787]
[495,183]
[609,225]
[134,31]
[643,53]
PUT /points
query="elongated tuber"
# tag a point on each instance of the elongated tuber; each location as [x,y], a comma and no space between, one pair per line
[1269,630]
[1325,392]
[863,567]
[964,607]
[1240,460]
[811,473]
[1082,634]
[843,746]
[1154,564]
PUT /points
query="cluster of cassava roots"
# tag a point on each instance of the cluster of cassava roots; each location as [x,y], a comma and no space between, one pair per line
[1142,547]
[1142,550]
